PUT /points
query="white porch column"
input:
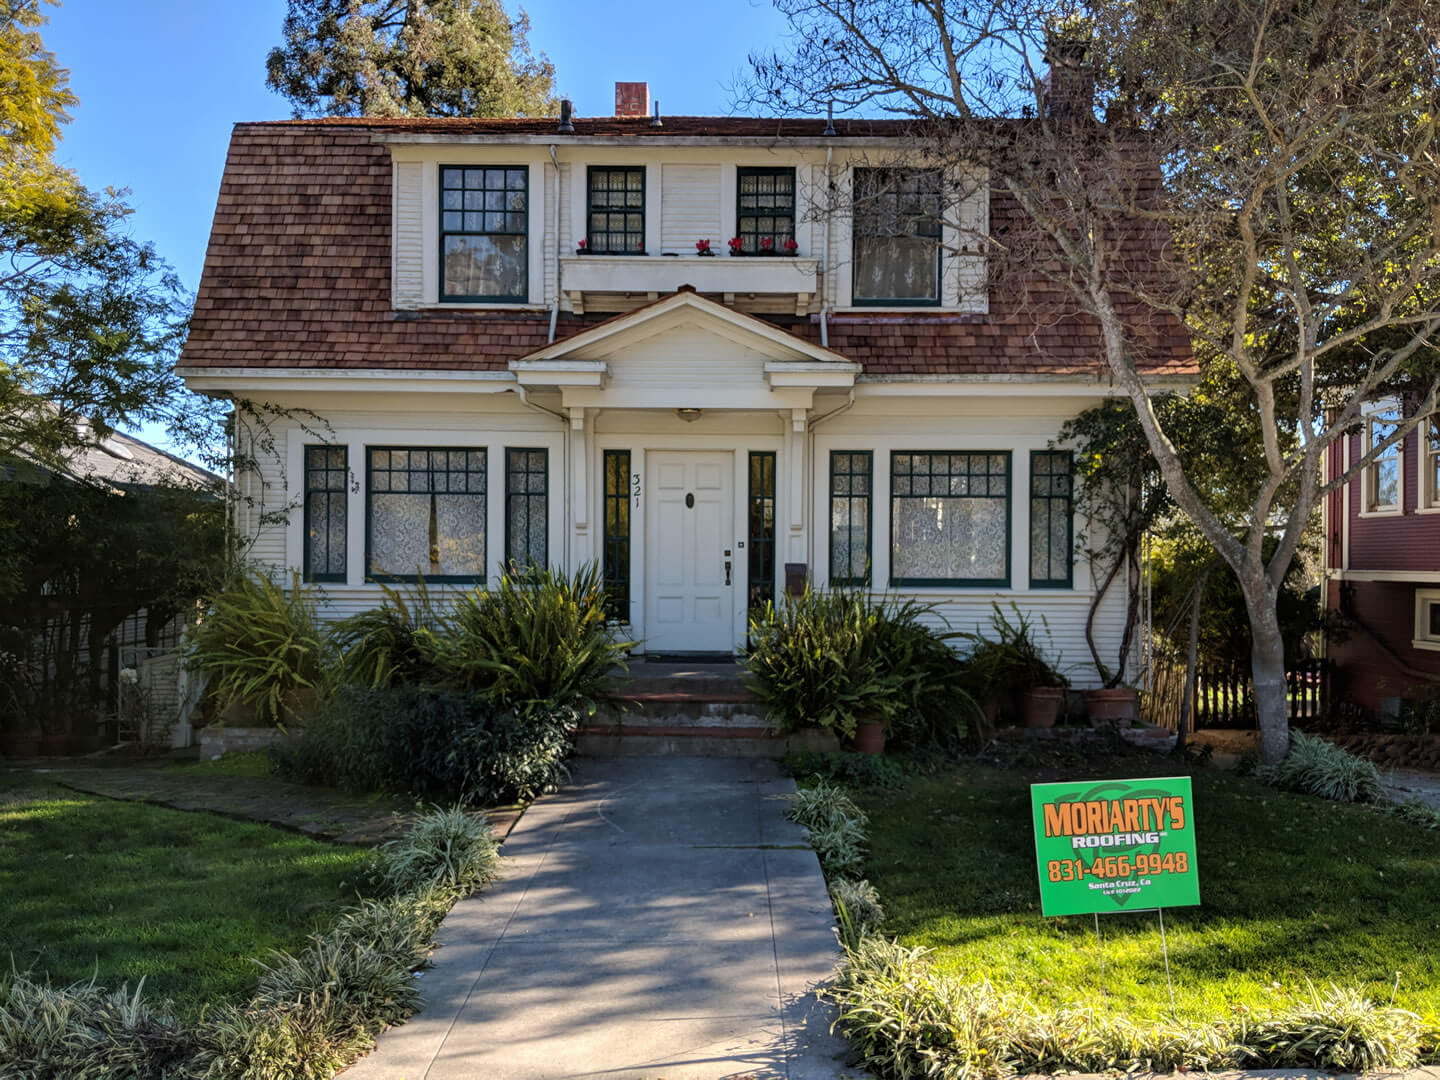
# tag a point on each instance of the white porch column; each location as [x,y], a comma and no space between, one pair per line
[795,547]
[581,543]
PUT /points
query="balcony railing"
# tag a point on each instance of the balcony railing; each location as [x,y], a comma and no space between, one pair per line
[615,282]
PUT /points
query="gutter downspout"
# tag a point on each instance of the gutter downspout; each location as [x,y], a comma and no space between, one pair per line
[825,263]
[555,209]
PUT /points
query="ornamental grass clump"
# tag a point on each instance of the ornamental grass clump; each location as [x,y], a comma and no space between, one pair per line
[835,827]
[1338,1031]
[261,644]
[1317,767]
[446,851]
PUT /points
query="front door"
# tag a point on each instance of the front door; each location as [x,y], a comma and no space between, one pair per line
[689,551]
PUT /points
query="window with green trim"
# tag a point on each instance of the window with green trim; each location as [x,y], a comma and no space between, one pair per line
[617,211]
[765,210]
[327,478]
[850,485]
[949,518]
[615,552]
[1052,487]
[484,221]
[897,220]
[527,494]
[760,533]
[425,514]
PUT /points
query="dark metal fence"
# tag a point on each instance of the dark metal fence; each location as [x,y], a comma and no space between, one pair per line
[1225,694]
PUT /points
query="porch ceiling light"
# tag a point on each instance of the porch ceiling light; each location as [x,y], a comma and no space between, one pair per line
[689,414]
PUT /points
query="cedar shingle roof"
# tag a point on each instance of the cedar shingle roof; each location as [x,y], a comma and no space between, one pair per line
[297,274]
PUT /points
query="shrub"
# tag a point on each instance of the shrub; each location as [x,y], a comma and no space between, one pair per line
[860,903]
[260,642]
[446,851]
[834,659]
[1317,767]
[440,745]
[835,825]
[537,636]
[391,645]
[1341,1031]
[873,772]
[822,804]
[49,1033]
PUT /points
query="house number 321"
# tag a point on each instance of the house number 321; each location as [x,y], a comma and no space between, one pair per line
[635,487]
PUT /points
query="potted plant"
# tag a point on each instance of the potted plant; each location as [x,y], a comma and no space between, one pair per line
[790,246]
[582,247]
[703,247]
[1007,667]
[736,245]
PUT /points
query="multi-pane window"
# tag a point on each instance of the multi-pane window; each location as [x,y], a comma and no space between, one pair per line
[1432,461]
[1427,618]
[1382,478]
[426,514]
[327,477]
[526,512]
[617,211]
[765,205]
[484,254]
[949,518]
[615,552]
[897,218]
[761,530]
[850,473]
[1051,494]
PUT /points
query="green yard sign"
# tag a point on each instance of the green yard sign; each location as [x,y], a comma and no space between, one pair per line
[1115,845]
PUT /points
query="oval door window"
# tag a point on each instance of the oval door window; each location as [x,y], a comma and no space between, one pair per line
[690,501]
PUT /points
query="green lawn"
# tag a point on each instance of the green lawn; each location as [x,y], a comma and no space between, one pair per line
[123,890]
[1295,892]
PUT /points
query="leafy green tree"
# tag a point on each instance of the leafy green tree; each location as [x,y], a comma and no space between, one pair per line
[1274,160]
[91,320]
[409,58]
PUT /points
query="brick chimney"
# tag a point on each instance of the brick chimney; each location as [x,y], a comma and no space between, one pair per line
[632,99]
[1070,85]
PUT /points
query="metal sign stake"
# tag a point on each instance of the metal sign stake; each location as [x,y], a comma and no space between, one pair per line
[1165,951]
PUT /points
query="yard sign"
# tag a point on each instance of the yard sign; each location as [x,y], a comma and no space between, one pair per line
[1115,845]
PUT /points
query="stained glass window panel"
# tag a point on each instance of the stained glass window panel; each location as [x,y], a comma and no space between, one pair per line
[426,514]
[327,478]
[1051,490]
[850,473]
[526,509]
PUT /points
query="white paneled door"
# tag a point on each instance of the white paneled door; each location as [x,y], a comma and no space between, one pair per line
[690,552]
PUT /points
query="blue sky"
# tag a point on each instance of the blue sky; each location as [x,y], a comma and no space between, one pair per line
[161,82]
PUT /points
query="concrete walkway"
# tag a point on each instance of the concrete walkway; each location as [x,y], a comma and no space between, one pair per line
[658,919]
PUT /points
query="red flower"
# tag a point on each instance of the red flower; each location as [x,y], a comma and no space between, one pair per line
[581,245]
[702,246]
[767,243]
[790,244]
[735,244]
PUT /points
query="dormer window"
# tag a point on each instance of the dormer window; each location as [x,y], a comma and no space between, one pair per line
[897,236]
[765,205]
[484,249]
[617,211]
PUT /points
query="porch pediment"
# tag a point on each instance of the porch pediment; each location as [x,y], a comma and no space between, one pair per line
[686,351]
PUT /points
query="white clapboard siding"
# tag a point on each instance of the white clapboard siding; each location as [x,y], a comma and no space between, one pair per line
[690,208]
[686,357]
[264,496]
[408,262]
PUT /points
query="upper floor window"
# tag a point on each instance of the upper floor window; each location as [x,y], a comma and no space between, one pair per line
[484,251]
[765,210]
[617,211]
[1382,477]
[1432,461]
[897,236]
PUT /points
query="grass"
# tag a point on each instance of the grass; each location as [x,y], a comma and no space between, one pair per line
[94,887]
[252,763]
[1296,894]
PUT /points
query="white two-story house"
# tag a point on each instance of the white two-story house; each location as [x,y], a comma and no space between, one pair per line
[517,352]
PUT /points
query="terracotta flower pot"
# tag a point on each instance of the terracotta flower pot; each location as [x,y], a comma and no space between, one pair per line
[870,738]
[1040,705]
[1118,707]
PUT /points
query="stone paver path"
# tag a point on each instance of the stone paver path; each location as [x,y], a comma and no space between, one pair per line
[318,812]
[658,919]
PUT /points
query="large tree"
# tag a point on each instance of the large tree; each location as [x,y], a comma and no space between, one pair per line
[409,58]
[91,320]
[1265,173]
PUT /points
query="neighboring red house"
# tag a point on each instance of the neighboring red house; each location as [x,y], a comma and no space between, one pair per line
[1382,560]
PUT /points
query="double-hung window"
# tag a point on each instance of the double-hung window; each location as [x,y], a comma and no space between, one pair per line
[425,514]
[1382,483]
[1051,511]
[897,220]
[765,210]
[1427,619]
[949,518]
[327,476]
[484,218]
[617,210]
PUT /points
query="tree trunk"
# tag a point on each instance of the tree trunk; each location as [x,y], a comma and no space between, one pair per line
[1267,666]
[1186,726]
